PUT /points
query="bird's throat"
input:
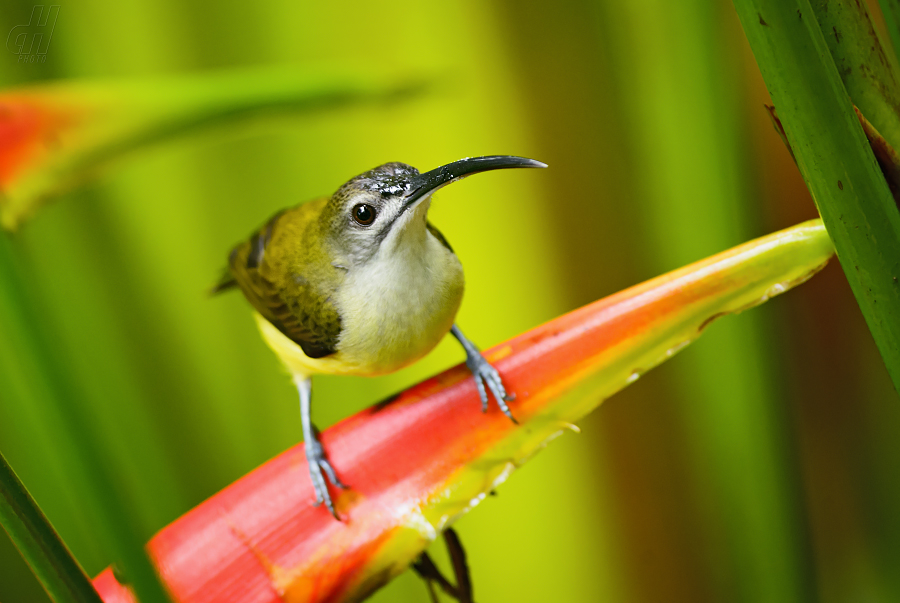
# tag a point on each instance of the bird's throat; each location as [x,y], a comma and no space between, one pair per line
[398,306]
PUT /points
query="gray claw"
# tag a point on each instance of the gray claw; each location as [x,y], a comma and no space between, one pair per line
[479,383]
[319,468]
[332,476]
[487,375]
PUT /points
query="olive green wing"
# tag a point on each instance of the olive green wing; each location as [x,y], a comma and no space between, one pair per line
[297,304]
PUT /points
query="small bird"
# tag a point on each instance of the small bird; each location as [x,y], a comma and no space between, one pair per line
[360,283]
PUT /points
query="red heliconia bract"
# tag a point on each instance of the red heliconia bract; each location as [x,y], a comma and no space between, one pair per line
[417,462]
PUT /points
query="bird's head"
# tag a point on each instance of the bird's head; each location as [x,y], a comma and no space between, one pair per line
[387,206]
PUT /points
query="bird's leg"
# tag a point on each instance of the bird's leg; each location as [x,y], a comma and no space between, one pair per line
[319,467]
[486,376]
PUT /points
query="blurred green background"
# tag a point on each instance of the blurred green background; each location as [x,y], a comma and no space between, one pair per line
[761,464]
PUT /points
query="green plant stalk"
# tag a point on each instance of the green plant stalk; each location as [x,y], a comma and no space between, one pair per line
[869,72]
[26,354]
[47,555]
[891,11]
[834,157]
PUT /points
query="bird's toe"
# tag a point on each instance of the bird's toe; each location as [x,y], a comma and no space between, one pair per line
[320,469]
[488,378]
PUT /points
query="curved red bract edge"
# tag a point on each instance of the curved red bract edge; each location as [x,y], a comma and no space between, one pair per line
[260,539]
[29,127]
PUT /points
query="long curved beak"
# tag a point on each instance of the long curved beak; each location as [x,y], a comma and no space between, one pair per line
[424,184]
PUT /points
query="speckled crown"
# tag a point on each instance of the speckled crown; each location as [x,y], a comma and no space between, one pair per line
[387,180]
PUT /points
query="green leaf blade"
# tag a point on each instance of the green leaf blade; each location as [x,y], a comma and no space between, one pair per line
[44,551]
[834,157]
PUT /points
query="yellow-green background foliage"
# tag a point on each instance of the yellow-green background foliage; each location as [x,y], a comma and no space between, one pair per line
[761,464]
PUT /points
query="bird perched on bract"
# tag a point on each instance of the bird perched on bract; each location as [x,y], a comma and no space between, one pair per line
[360,283]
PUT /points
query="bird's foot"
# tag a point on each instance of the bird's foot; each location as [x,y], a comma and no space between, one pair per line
[320,469]
[487,378]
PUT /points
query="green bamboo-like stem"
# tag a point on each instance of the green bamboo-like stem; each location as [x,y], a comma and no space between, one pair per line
[47,555]
[869,72]
[834,157]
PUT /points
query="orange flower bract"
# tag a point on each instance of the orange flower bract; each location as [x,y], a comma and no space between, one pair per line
[417,462]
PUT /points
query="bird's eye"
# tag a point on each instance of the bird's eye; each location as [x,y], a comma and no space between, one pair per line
[364,214]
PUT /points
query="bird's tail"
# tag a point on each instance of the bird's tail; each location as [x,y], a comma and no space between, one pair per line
[226,282]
